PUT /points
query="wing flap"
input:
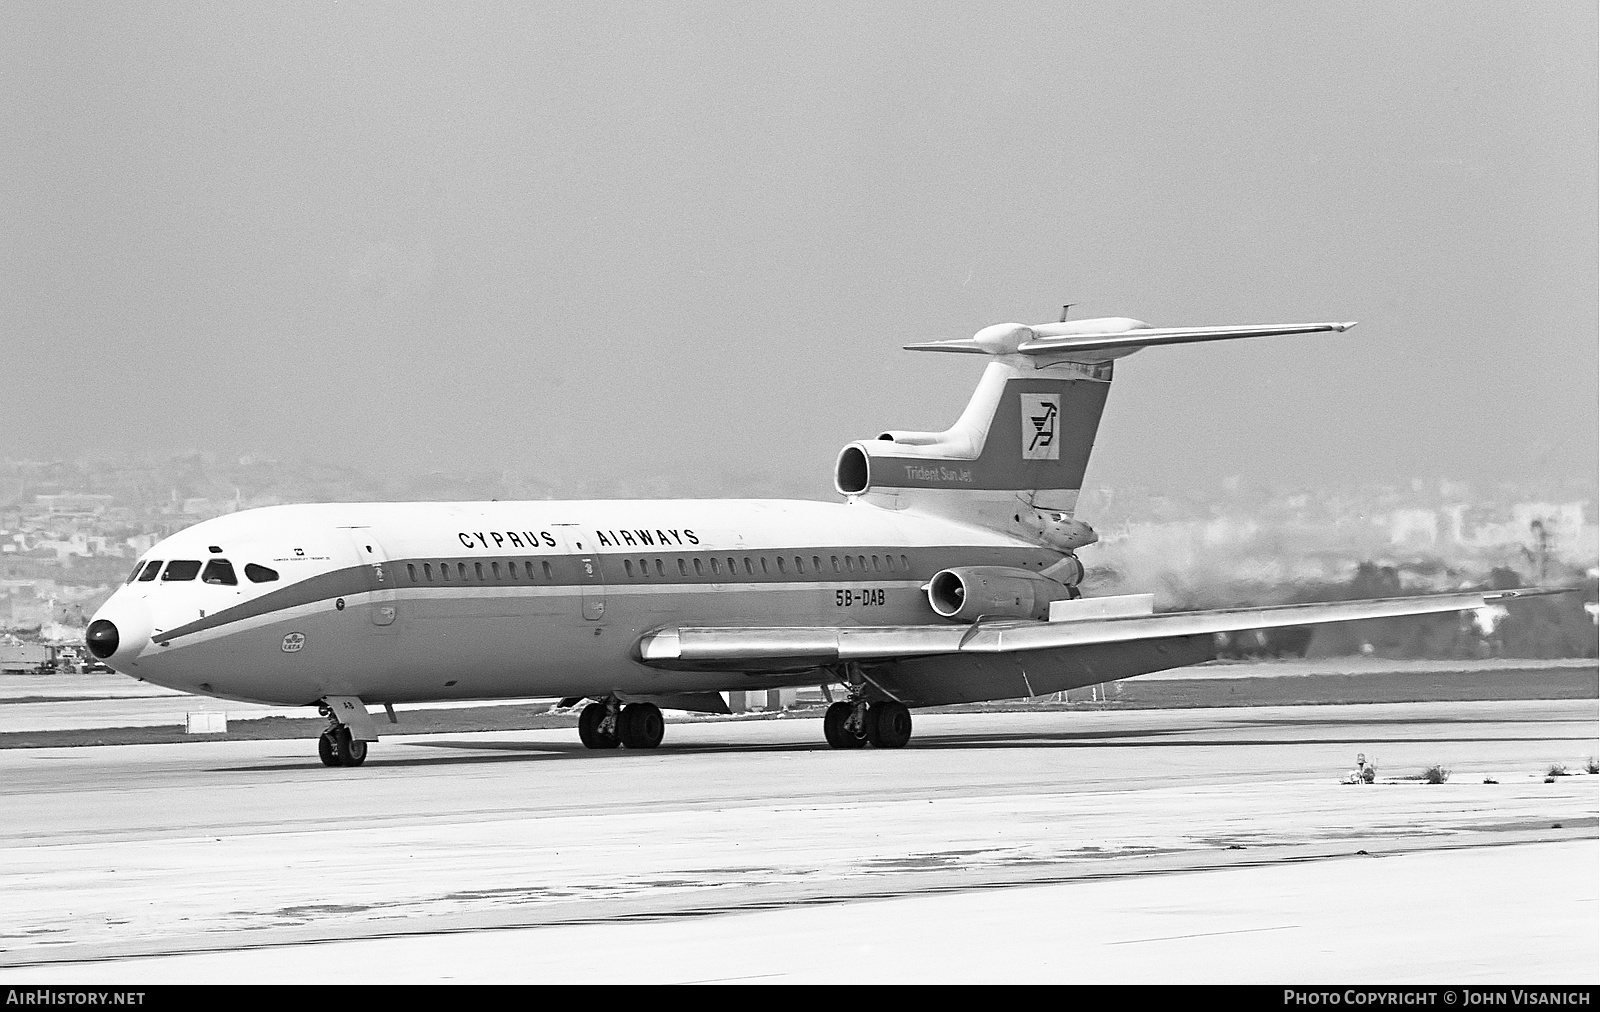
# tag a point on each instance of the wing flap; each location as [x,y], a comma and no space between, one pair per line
[792,648]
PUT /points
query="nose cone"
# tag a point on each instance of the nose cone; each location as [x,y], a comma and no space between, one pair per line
[102,638]
[119,632]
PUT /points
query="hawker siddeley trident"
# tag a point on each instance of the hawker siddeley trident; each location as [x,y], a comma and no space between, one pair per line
[947,575]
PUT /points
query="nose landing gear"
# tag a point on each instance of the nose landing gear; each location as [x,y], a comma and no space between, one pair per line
[349,731]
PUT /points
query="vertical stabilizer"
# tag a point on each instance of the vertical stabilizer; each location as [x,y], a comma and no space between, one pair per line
[1020,449]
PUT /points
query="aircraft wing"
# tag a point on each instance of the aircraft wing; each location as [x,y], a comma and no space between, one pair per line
[777,649]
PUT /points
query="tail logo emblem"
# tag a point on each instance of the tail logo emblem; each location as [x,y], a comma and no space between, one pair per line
[1041,415]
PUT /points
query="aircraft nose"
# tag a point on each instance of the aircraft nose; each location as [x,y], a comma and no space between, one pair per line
[102,638]
[119,631]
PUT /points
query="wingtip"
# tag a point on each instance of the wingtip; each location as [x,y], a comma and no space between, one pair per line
[1342,327]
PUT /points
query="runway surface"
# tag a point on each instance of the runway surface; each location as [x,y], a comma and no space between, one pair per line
[1177,845]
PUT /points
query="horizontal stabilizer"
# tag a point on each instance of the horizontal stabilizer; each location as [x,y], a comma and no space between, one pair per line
[1099,340]
[793,648]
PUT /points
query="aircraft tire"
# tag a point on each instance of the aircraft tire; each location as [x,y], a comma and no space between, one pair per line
[834,730]
[589,728]
[640,725]
[889,724]
[351,751]
[327,749]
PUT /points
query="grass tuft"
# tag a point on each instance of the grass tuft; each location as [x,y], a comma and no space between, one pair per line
[1435,774]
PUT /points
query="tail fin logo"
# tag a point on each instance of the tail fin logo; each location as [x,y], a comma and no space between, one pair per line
[1041,416]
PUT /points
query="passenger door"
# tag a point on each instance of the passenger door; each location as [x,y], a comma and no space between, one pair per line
[378,578]
[591,581]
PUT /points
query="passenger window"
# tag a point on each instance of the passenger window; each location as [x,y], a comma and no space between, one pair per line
[427,572]
[220,571]
[444,571]
[780,564]
[548,575]
[627,564]
[661,570]
[644,567]
[888,560]
[714,570]
[527,566]
[799,564]
[478,567]
[494,567]
[151,568]
[904,564]
[862,563]
[181,569]
[733,568]
[875,564]
[764,569]
[697,570]
[461,570]
[816,564]
[847,568]
[511,569]
[411,571]
[683,568]
[749,570]
[835,560]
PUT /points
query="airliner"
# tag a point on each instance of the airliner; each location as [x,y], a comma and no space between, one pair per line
[946,573]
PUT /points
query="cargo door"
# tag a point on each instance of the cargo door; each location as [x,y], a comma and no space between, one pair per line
[591,581]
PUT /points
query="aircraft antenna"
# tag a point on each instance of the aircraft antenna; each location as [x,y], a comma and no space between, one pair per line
[1064,311]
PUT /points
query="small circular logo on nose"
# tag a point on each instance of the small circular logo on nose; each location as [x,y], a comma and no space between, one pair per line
[293,642]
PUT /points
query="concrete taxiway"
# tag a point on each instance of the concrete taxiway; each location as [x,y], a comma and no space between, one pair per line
[1178,845]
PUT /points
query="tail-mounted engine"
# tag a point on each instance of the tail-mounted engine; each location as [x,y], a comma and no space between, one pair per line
[968,593]
[1054,529]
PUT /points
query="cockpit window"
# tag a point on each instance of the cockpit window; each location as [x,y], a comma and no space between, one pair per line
[151,568]
[136,568]
[181,569]
[219,571]
[259,574]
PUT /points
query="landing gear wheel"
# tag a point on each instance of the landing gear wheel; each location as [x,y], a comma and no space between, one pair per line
[833,727]
[889,724]
[589,728]
[327,749]
[640,725]
[351,752]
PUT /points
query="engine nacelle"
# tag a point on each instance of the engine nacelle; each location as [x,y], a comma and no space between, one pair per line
[1056,529]
[969,593]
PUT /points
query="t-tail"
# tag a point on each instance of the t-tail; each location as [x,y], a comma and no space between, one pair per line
[1015,459]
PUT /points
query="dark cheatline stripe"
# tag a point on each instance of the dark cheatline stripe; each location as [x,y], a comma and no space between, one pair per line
[566,571]
[323,587]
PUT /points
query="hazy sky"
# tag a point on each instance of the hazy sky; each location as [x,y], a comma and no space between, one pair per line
[685,242]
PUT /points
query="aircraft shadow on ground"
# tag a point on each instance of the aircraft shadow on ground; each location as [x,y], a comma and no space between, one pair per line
[545,751]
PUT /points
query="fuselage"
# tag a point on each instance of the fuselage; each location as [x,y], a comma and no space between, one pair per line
[406,602]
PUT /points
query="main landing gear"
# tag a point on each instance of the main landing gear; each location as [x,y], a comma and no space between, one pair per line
[608,723]
[881,722]
[860,721]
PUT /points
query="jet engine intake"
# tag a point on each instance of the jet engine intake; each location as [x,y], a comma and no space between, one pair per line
[969,593]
